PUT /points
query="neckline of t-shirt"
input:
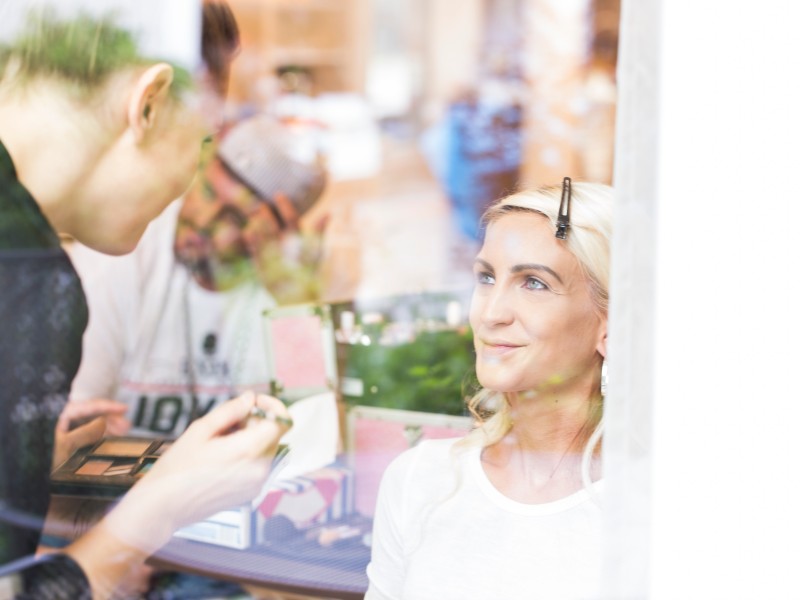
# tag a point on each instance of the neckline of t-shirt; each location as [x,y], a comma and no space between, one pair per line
[475,469]
[240,291]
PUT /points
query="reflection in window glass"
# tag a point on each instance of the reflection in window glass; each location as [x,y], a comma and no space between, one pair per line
[325,255]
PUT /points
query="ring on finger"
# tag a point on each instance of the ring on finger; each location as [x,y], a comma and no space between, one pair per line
[261,414]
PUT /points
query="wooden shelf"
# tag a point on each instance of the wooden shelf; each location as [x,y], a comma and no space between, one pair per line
[308,57]
[326,37]
[303,5]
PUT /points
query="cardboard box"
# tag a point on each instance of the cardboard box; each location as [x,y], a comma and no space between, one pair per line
[231,528]
[322,496]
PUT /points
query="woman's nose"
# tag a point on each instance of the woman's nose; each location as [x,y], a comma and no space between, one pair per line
[497,308]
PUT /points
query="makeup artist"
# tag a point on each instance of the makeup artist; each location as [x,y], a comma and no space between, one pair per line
[176,324]
[510,510]
[95,140]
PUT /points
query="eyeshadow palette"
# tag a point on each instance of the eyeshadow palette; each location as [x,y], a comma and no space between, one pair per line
[109,467]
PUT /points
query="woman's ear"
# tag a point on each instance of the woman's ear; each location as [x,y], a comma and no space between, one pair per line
[147,99]
[603,335]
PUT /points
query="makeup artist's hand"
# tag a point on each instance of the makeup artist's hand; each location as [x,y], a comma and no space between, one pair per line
[83,423]
[212,466]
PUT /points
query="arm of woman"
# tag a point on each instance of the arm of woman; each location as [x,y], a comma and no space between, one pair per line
[214,465]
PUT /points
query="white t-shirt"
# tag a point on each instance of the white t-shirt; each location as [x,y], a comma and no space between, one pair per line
[430,543]
[159,342]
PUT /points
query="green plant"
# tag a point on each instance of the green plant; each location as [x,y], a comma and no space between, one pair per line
[427,374]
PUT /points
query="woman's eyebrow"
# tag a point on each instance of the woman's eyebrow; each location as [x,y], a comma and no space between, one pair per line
[484,264]
[536,267]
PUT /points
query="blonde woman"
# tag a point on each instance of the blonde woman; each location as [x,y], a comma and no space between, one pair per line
[511,511]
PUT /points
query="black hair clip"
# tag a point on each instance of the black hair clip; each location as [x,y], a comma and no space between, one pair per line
[563,211]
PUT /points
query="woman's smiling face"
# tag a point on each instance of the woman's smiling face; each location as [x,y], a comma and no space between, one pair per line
[534,321]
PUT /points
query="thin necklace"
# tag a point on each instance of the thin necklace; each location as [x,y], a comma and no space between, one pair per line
[560,460]
[564,455]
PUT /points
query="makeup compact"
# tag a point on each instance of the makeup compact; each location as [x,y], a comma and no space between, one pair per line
[108,468]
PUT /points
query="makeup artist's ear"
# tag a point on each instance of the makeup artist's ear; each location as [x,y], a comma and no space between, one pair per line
[147,99]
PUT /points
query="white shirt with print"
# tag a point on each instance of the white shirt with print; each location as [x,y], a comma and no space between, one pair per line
[159,342]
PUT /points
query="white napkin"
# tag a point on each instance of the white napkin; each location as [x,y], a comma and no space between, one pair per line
[314,438]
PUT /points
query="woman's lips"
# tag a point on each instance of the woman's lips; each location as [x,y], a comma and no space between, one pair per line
[498,348]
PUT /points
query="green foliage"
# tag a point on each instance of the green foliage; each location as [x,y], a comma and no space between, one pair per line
[83,51]
[289,268]
[428,374]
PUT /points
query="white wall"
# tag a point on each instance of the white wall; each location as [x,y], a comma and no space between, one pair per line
[704,408]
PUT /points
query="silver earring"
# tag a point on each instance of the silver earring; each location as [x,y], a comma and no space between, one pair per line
[604,379]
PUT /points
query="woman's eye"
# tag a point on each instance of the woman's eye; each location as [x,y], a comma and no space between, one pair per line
[531,283]
[484,278]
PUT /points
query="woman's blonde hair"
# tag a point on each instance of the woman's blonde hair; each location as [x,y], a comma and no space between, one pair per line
[588,239]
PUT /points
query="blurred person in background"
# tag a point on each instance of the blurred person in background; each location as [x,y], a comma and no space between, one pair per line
[510,511]
[175,326]
[96,139]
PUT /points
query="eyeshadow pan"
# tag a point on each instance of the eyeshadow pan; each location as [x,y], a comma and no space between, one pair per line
[123,469]
[146,466]
[107,468]
[93,467]
[131,448]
